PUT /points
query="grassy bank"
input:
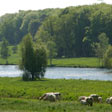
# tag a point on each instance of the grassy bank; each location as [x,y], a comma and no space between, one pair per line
[14,92]
[14,58]
[66,62]
[77,62]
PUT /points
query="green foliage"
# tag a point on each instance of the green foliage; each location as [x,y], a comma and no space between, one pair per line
[73,30]
[51,50]
[101,47]
[14,49]
[5,50]
[33,59]
[108,58]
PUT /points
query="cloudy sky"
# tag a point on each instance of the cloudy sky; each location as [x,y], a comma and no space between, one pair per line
[11,6]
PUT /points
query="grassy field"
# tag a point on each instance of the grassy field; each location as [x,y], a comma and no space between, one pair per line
[14,92]
[63,62]
[77,62]
[67,62]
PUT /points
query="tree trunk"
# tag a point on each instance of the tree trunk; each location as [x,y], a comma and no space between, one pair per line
[32,77]
[50,61]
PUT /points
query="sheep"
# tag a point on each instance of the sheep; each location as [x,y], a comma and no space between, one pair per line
[100,99]
[109,100]
[82,98]
[87,101]
[83,102]
[50,96]
[58,95]
[95,97]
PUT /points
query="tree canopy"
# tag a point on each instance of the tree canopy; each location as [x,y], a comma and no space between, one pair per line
[33,59]
[73,30]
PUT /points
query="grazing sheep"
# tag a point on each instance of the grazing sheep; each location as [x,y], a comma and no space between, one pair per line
[58,95]
[95,97]
[50,96]
[109,100]
[100,99]
[83,102]
[87,101]
[82,98]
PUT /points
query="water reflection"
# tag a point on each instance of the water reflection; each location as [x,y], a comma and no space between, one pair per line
[62,72]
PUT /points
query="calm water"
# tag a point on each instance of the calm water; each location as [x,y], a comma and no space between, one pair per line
[62,72]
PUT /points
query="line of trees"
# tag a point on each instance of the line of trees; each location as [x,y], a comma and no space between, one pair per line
[75,30]
[83,31]
[72,30]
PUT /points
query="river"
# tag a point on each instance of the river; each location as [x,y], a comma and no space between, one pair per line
[62,73]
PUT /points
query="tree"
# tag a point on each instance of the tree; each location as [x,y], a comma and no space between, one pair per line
[101,47]
[33,59]
[108,58]
[52,50]
[4,50]
[14,49]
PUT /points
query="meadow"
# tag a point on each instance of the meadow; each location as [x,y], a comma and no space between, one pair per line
[77,62]
[14,92]
[14,58]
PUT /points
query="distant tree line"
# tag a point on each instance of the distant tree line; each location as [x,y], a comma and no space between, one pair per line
[68,32]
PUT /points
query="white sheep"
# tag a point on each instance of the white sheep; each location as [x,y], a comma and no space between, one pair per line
[109,100]
[87,101]
[96,98]
[50,96]
[83,102]
[100,99]
[82,98]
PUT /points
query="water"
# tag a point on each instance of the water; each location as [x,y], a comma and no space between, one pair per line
[62,72]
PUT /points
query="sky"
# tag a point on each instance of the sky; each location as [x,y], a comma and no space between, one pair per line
[12,6]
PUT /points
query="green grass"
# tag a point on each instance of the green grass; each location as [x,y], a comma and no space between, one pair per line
[67,62]
[21,96]
[77,62]
[20,105]
[63,62]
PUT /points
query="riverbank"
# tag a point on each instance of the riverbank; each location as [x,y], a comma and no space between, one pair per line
[83,62]
[14,92]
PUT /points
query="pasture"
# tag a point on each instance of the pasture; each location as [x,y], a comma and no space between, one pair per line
[14,92]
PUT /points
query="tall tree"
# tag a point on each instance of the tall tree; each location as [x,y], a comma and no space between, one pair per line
[101,47]
[4,50]
[108,58]
[52,50]
[33,59]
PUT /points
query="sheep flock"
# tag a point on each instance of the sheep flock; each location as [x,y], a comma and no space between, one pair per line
[84,100]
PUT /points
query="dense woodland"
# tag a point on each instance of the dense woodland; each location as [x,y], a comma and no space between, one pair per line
[70,32]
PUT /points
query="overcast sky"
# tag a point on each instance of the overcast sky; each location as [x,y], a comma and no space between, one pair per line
[11,6]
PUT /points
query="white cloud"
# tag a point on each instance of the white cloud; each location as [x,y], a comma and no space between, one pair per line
[11,6]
